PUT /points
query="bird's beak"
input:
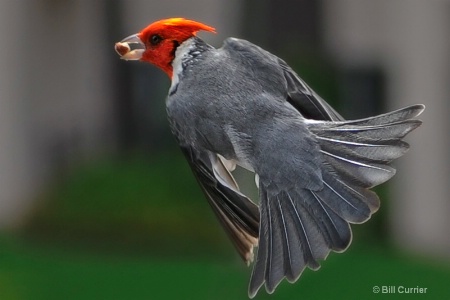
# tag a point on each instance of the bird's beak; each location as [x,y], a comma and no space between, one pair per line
[130,48]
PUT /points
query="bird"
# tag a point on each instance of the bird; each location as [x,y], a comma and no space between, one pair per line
[239,105]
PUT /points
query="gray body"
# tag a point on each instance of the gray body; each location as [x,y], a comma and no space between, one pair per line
[243,117]
[315,169]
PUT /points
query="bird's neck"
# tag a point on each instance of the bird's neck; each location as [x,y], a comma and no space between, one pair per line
[186,54]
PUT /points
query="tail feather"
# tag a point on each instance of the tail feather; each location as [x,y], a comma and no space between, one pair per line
[294,260]
[297,230]
[401,114]
[350,202]
[364,173]
[383,152]
[370,134]
[315,244]
[360,151]
[275,266]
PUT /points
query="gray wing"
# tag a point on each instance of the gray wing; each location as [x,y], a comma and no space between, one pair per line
[296,91]
[237,214]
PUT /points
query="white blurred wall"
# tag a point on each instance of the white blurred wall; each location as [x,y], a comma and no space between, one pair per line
[55,102]
[410,40]
[16,181]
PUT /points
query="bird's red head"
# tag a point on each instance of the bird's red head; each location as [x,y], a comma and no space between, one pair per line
[157,42]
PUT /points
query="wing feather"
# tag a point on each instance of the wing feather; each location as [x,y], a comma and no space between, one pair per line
[238,215]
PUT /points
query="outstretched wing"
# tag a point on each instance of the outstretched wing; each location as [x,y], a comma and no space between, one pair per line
[298,93]
[238,215]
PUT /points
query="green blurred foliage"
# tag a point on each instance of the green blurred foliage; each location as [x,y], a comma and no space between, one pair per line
[30,271]
[318,72]
[135,204]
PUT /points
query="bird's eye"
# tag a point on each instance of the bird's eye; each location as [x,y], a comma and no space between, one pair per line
[155,39]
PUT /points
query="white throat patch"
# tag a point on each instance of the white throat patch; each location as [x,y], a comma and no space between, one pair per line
[177,64]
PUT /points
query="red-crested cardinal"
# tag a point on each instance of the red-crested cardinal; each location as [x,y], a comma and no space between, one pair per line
[240,104]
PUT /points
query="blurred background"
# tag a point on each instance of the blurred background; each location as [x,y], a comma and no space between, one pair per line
[96,201]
